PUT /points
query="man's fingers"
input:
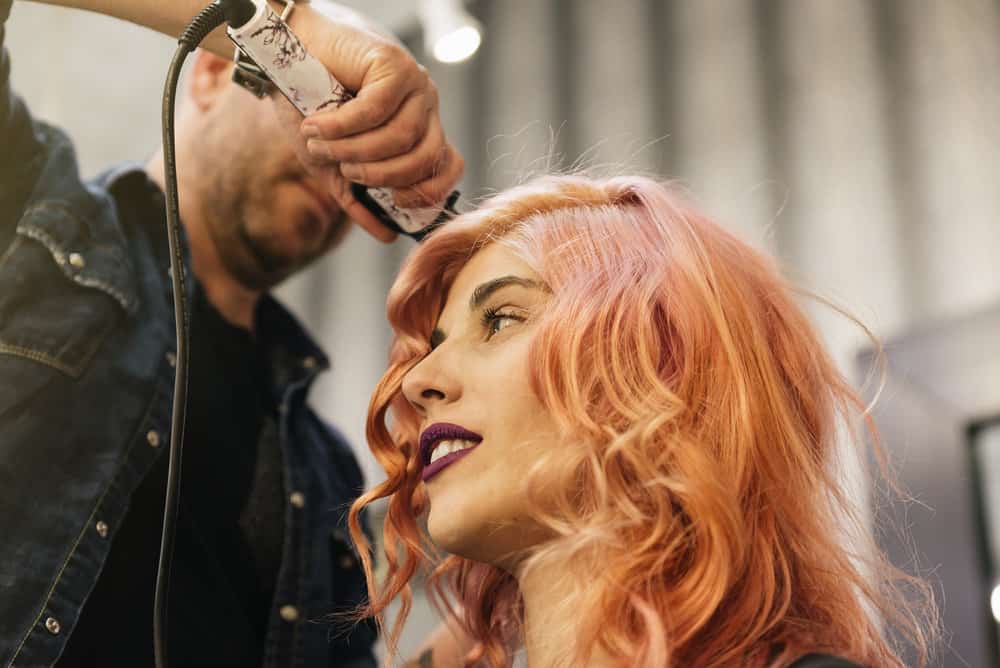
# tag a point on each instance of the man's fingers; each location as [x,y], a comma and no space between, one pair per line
[356,211]
[403,170]
[365,220]
[398,136]
[434,190]
[378,99]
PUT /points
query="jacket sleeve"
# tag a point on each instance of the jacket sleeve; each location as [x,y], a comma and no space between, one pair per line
[21,156]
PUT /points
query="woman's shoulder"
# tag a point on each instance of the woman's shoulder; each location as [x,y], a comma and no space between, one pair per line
[823,661]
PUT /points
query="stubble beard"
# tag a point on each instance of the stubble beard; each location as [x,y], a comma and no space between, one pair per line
[247,259]
[240,212]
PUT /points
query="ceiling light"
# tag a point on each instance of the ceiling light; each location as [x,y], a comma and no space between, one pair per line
[451,34]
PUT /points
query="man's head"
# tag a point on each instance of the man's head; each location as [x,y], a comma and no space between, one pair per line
[265,214]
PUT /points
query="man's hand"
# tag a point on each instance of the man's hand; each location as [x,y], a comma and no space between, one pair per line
[389,135]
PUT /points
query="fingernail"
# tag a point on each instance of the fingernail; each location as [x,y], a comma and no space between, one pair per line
[317,148]
[349,171]
[310,130]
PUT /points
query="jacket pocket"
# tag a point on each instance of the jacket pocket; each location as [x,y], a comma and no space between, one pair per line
[52,309]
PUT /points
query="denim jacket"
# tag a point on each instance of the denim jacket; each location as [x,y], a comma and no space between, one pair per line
[86,380]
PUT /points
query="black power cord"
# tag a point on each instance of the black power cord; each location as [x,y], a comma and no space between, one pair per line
[236,12]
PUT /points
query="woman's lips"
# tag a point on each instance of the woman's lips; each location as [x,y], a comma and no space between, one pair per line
[435,434]
[432,469]
[442,431]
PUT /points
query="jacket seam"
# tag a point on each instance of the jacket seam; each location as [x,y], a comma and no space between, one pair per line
[36,356]
[10,251]
[79,538]
[55,583]
[43,358]
[302,528]
[60,257]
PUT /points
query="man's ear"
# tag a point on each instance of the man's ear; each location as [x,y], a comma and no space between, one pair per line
[210,77]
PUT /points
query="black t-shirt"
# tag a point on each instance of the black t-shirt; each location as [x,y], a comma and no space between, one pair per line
[230,525]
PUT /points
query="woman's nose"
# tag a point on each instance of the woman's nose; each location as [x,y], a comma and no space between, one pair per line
[431,382]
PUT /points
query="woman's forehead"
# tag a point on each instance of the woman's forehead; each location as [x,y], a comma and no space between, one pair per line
[491,262]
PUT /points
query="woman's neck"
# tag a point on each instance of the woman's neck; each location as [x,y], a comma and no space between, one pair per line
[547,631]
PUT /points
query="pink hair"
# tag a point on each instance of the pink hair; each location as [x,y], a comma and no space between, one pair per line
[700,468]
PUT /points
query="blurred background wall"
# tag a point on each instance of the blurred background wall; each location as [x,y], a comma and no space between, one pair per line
[857,140]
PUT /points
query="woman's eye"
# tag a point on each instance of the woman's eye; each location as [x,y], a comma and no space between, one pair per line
[498,321]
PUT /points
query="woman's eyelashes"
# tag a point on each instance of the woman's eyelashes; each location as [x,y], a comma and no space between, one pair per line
[492,322]
[499,318]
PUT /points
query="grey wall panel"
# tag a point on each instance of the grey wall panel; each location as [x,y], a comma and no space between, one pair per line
[941,381]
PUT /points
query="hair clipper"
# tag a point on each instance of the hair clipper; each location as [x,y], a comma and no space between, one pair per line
[269,53]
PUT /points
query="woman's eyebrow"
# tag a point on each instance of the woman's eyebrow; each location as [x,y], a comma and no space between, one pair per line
[483,292]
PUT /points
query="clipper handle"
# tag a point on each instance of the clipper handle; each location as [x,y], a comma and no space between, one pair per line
[274,48]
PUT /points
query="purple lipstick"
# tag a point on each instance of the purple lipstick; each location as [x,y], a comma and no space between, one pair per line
[443,431]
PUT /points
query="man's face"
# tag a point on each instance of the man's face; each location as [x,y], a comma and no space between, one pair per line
[267,216]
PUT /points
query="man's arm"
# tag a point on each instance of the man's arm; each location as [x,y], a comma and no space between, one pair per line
[389,135]
[170,18]
[7,208]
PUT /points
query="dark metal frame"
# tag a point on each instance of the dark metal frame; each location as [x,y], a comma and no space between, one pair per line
[987,559]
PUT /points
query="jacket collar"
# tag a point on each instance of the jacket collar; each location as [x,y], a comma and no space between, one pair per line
[292,355]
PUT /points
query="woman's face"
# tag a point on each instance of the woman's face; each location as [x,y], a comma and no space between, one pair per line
[473,396]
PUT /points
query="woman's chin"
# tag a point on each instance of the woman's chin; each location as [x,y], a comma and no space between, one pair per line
[447,534]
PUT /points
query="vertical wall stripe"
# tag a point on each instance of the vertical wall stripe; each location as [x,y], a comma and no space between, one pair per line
[720,127]
[893,75]
[952,97]
[564,19]
[659,45]
[612,119]
[472,103]
[769,24]
[843,238]
[521,90]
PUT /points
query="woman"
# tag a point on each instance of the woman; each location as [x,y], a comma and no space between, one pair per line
[622,428]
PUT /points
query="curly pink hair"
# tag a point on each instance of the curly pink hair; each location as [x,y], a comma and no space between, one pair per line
[698,501]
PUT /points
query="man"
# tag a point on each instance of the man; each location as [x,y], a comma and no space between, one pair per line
[87,354]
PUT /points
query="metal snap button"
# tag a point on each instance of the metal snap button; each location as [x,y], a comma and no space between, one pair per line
[52,625]
[171,358]
[289,613]
[77,261]
[102,529]
[297,499]
[153,438]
